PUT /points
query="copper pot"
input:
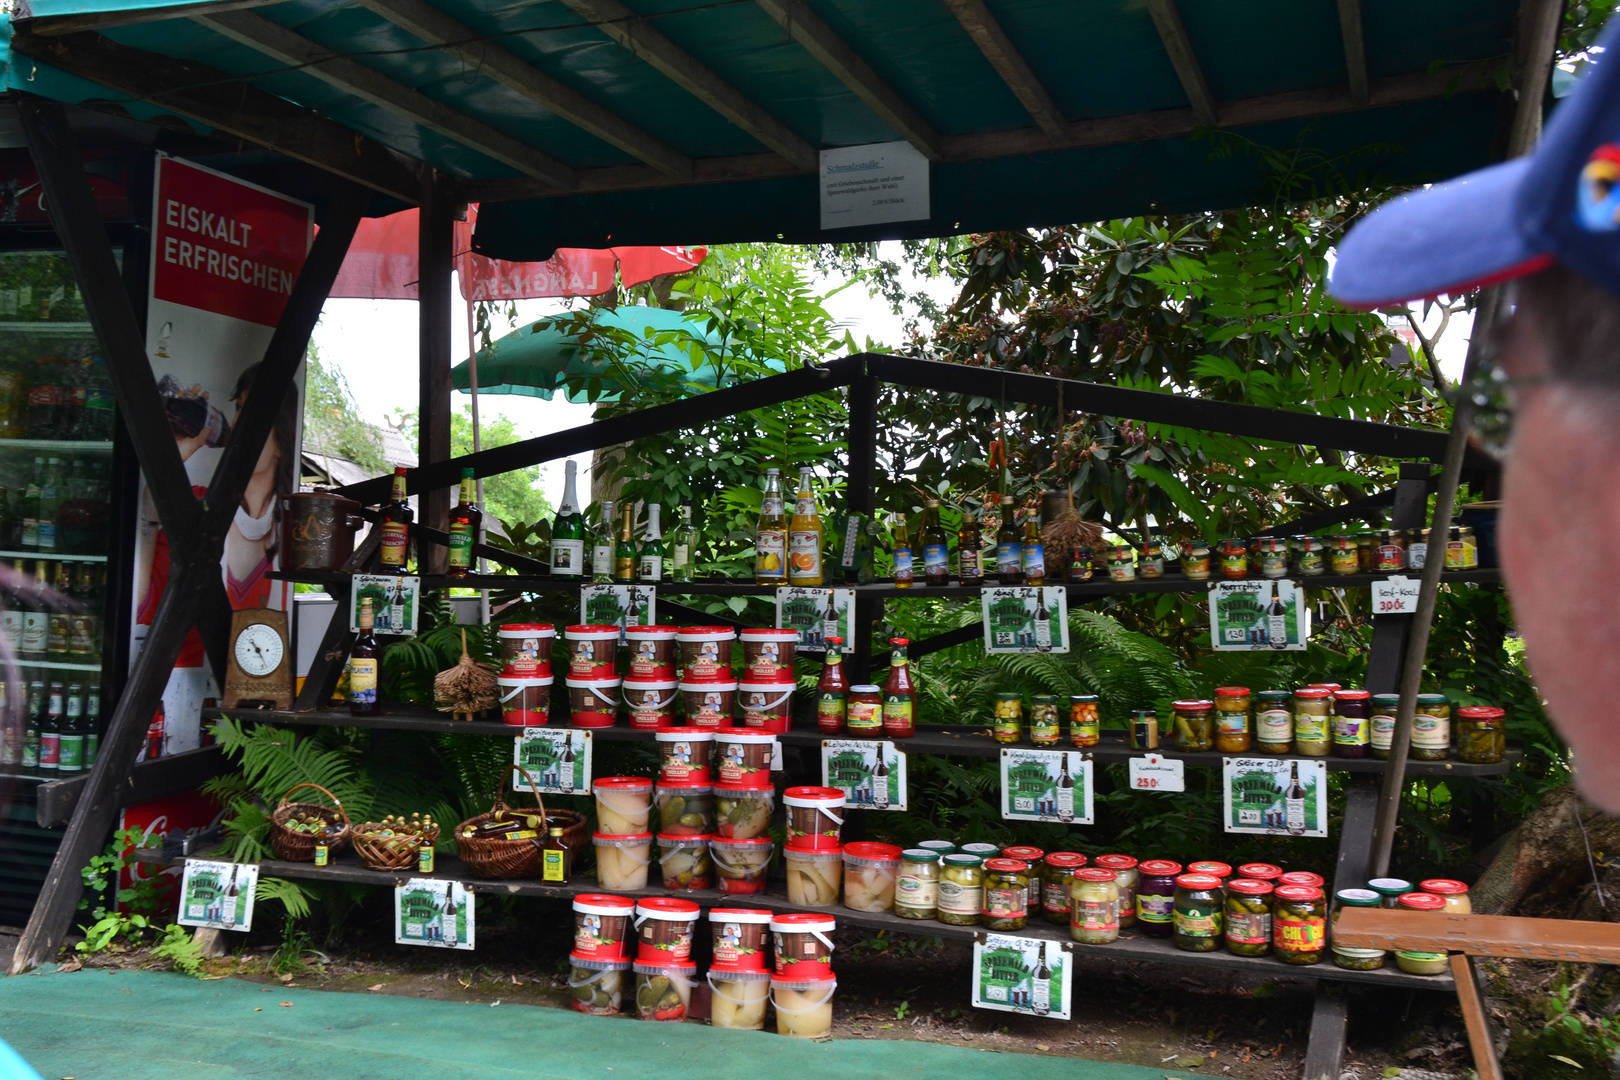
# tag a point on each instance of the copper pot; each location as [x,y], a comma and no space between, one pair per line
[317,530]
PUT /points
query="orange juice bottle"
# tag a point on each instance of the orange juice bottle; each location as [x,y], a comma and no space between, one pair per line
[805,536]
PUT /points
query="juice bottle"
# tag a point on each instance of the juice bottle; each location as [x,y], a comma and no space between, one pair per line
[805,536]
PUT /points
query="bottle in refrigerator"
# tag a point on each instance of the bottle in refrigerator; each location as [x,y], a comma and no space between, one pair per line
[92,725]
[156,735]
[30,749]
[98,403]
[11,615]
[13,399]
[36,615]
[52,493]
[50,731]
[45,399]
[30,507]
[70,758]
[70,415]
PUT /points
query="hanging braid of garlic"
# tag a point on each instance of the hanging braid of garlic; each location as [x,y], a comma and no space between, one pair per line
[467,689]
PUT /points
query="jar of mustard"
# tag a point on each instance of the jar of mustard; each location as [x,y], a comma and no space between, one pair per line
[916,890]
[1481,734]
[1006,895]
[1454,893]
[1045,729]
[1151,564]
[1121,563]
[1248,917]
[961,889]
[1431,728]
[1272,552]
[1008,726]
[1232,734]
[1199,911]
[1094,907]
[1057,884]
[1355,959]
[1085,723]
[1195,561]
[1274,722]
[1312,707]
[1299,924]
[1381,725]
[1417,961]
[1343,557]
[1195,725]
[1234,555]
[1125,873]
[1144,729]
[1310,556]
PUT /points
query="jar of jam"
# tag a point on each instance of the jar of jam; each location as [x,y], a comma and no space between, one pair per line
[1234,555]
[1195,561]
[1057,882]
[1045,729]
[1343,956]
[1009,719]
[1248,917]
[1351,719]
[1260,871]
[1232,735]
[1481,734]
[1454,893]
[1391,557]
[1310,556]
[1121,563]
[1156,897]
[1312,707]
[1390,890]
[864,711]
[1342,554]
[1431,728]
[1462,551]
[1085,725]
[1125,872]
[1381,725]
[1367,552]
[1144,729]
[1272,552]
[1299,924]
[1094,907]
[1274,722]
[1079,563]
[1195,725]
[1420,962]
[1006,895]
[1199,913]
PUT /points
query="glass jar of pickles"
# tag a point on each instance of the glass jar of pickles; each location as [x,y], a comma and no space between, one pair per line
[1009,718]
[1195,561]
[1198,913]
[1125,873]
[1454,893]
[1481,734]
[1381,725]
[1299,924]
[1274,722]
[1415,961]
[1057,885]
[961,889]
[1035,858]
[1300,877]
[1342,554]
[1006,895]
[1156,896]
[1312,707]
[1248,917]
[1195,725]
[1151,564]
[1085,724]
[1232,734]
[1272,553]
[916,890]
[1351,719]
[1144,729]
[1431,728]
[1121,563]
[1390,890]
[1234,555]
[1094,907]
[1344,956]
[1045,729]
[1310,555]
[1260,871]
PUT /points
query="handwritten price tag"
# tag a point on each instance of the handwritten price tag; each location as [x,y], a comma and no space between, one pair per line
[1395,596]
[1154,773]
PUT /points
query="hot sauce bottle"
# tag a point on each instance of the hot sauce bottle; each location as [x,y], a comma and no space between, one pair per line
[899,705]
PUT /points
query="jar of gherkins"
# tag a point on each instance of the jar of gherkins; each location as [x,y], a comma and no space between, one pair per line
[1034,857]
[1124,868]
[1198,913]
[961,889]
[1009,718]
[1094,907]
[1431,728]
[1299,924]
[1481,734]
[1006,895]
[1274,722]
[1045,728]
[1344,956]
[1260,871]
[916,891]
[1232,735]
[1301,877]
[1057,885]
[1381,727]
[1210,866]
[1248,917]
[1085,725]
[1390,890]
[1195,725]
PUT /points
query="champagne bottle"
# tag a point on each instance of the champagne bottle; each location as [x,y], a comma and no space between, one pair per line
[601,548]
[624,552]
[805,536]
[652,548]
[683,546]
[568,529]
[770,534]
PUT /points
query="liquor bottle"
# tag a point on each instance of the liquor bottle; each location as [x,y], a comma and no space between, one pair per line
[1277,620]
[363,665]
[829,619]
[1034,553]
[936,550]
[52,490]
[1065,791]
[770,534]
[30,747]
[36,615]
[900,548]
[1043,625]
[600,548]
[652,547]
[899,700]
[13,399]
[11,615]
[11,736]
[805,537]
[30,507]
[1041,986]
[98,403]
[568,529]
[70,414]
[1294,802]
[683,545]
[50,731]
[70,758]
[92,725]
[8,524]
[555,857]
[59,624]
[1009,547]
[424,858]
[84,639]
[394,552]
[466,528]
[565,768]
[227,906]
[832,692]
[448,932]
[969,553]
[624,552]
[396,608]
[880,780]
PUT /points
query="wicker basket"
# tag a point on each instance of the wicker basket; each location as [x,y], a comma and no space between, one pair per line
[300,846]
[396,852]
[498,856]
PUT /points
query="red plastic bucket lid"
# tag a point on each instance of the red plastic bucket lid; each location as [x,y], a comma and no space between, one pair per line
[623,783]
[812,796]
[650,631]
[667,907]
[867,849]
[527,629]
[803,922]
[604,904]
[703,633]
[591,631]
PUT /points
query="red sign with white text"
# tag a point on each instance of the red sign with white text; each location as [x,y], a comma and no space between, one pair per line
[225,246]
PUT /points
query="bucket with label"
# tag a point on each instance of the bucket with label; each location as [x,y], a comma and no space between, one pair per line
[685,753]
[743,813]
[743,758]
[652,652]
[664,930]
[737,999]
[593,703]
[623,804]
[685,811]
[768,655]
[525,699]
[803,1007]
[742,864]
[708,704]
[601,924]
[622,861]
[651,703]
[597,986]
[765,706]
[664,991]
[803,944]
[869,873]
[705,653]
[526,648]
[815,817]
[741,938]
[685,862]
[813,877]
[590,651]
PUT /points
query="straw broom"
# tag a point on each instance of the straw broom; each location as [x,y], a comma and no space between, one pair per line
[467,689]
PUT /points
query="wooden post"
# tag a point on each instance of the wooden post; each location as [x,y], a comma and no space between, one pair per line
[1390,632]
[861,496]
[435,249]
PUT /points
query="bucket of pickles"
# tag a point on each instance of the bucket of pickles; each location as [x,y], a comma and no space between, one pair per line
[596,986]
[685,861]
[742,864]
[813,876]
[742,813]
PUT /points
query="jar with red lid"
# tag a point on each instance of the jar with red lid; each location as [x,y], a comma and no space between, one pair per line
[1419,962]
[1352,719]
[1156,896]
[1272,552]
[1234,555]
[1342,555]
[1301,877]
[1248,917]
[1195,725]
[1232,727]
[1481,734]
[1124,868]
[1032,855]
[1454,893]
[1209,866]
[1094,918]
[1199,913]
[1299,924]
[1260,871]
[1056,882]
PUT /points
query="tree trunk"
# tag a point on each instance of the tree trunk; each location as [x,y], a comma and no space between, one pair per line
[1547,868]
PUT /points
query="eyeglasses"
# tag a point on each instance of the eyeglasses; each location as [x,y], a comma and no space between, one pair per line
[1493,396]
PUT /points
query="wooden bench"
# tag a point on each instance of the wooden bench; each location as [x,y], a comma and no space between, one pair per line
[1468,936]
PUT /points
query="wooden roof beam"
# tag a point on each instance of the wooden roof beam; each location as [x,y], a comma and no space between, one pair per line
[53,25]
[1173,33]
[1355,47]
[631,31]
[1539,21]
[998,48]
[352,77]
[834,54]
[226,104]
[423,20]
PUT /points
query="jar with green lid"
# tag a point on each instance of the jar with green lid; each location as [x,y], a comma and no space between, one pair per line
[1085,724]
[1415,961]
[1198,913]
[961,889]
[1009,718]
[1274,722]
[1310,555]
[1057,885]
[940,848]
[1248,917]
[1312,734]
[982,850]
[1144,729]
[916,890]
[1045,727]
[1094,907]
[1381,726]
[1390,890]
[1431,728]
[1344,956]
[1006,895]
[1195,725]
[1481,734]
[1299,924]
[1126,874]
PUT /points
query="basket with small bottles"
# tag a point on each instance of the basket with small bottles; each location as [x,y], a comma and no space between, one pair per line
[395,843]
[297,829]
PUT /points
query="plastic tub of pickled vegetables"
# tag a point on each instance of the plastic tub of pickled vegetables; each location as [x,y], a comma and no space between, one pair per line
[737,999]
[739,938]
[742,864]
[623,804]
[597,986]
[600,922]
[685,862]
[705,652]
[743,758]
[685,811]
[869,873]
[813,877]
[622,861]
[803,1006]
[815,817]
[804,945]
[664,930]
[742,813]
[664,991]
[685,753]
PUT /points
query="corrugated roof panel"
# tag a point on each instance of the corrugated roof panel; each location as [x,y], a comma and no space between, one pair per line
[1265,46]
[1402,36]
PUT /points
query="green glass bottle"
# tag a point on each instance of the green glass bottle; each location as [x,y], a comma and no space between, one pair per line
[624,553]
[683,544]
[601,545]
[650,563]
[568,530]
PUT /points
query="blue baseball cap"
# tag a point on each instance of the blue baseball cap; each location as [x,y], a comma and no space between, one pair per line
[1561,204]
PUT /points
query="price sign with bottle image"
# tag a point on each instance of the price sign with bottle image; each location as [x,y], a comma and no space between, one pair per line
[432,912]
[618,605]
[870,773]
[817,614]
[1258,616]
[1046,785]
[1022,975]
[393,602]
[218,895]
[1025,619]
[559,759]
[1274,796]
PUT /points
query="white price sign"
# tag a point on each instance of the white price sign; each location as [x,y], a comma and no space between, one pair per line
[1395,596]
[1151,772]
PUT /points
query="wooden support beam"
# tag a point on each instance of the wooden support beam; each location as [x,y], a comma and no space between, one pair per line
[427,22]
[630,30]
[435,248]
[1173,33]
[1475,1018]
[55,800]
[1355,48]
[195,91]
[1567,941]
[1004,56]
[53,25]
[1539,21]
[835,54]
[352,77]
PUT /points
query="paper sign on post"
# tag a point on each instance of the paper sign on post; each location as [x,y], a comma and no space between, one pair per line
[1046,785]
[817,614]
[1276,796]
[868,185]
[1152,772]
[1395,596]
[870,773]
[1022,975]
[393,602]
[428,911]
[218,895]
[618,605]
[559,759]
